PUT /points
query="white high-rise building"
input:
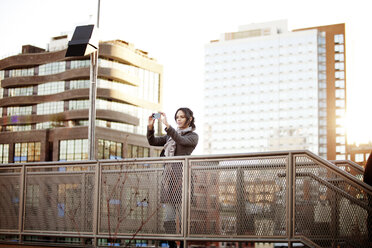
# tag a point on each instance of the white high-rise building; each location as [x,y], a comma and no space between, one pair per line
[266,90]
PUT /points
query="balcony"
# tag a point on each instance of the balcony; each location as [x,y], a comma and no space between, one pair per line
[290,197]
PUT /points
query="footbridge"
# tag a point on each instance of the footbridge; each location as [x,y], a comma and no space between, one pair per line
[281,199]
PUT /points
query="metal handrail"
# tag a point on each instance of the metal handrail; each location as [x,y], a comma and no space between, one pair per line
[350,163]
[337,170]
[334,188]
[98,165]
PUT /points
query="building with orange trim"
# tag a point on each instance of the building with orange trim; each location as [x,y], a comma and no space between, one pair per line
[267,88]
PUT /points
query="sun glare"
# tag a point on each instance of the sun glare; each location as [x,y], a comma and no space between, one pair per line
[358,128]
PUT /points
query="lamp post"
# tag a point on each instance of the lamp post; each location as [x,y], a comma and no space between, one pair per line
[85,41]
[92,105]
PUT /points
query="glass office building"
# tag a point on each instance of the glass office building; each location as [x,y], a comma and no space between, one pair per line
[266,89]
[44,103]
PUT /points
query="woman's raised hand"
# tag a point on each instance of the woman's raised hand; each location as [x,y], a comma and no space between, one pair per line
[151,122]
[164,119]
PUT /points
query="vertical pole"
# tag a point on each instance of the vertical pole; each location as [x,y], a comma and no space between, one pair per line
[335,217]
[240,205]
[21,210]
[240,202]
[92,106]
[96,202]
[290,198]
[92,96]
[98,10]
[185,201]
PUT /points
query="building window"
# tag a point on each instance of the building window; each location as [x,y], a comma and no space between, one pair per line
[21,72]
[49,108]
[126,88]
[27,152]
[339,57]
[340,149]
[79,84]
[109,149]
[27,110]
[78,104]
[340,103]
[49,124]
[76,149]
[340,93]
[52,68]
[339,48]
[81,122]
[359,157]
[116,106]
[340,83]
[50,88]
[75,64]
[339,66]
[340,131]
[340,75]
[339,38]
[117,126]
[18,128]
[4,153]
[340,140]
[340,157]
[134,151]
[21,91]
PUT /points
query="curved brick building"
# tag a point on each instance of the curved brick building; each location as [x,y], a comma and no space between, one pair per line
[44,103]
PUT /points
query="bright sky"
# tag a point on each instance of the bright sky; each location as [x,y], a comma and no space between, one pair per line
[175,32]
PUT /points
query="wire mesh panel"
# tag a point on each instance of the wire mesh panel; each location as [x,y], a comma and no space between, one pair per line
[238,197]
[141,198]
[227,198]
[350,167]
[10,180]
[329,208]
[59,198]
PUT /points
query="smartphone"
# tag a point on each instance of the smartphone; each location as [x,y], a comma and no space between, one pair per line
[156,116]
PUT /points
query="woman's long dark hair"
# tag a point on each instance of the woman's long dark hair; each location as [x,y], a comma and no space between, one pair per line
[189,115]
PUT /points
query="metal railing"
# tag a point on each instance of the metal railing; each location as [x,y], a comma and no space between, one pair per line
[289,196]
[350,167]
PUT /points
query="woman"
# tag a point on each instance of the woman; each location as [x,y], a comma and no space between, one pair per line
[368,180]
[176,143]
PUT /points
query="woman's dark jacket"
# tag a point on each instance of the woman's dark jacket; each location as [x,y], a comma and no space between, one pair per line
[368,171]
[171,186]
[185,143]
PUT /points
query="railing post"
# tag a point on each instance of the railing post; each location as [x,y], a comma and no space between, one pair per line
[290,198]
[335,217]
[185,200]
[240,202]
[96,202]
[21,214]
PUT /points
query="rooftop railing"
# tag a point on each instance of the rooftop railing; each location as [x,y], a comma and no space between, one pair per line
[292,197]
[350,167]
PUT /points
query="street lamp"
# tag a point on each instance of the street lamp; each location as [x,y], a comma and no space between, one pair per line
[85,41]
